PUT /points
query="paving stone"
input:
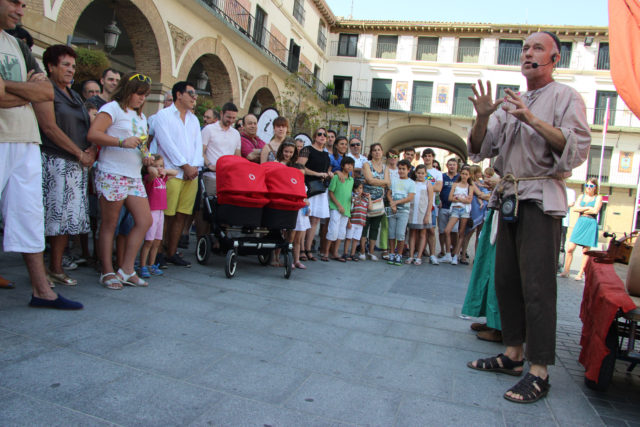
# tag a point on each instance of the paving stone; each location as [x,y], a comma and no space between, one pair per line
[359,323]
[233,339]
[309,331]
[252,378]
[236,411]
[341,400]
[392,348]
[245,318]
[427,411]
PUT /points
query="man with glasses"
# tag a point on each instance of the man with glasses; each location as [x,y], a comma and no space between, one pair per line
[109,81]
[177,132]
[537,139]
[354,153]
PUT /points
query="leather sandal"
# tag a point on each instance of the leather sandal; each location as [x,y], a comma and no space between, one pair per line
[61,278]
[112,283]
[531,388]
[499,363]
[131,279]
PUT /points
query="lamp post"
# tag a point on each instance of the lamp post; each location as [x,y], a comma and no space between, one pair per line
[111,35]
[202,80]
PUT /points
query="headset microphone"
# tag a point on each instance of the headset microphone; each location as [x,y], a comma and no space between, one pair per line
[536,65]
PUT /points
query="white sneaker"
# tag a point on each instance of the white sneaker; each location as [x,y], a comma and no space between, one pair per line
[362,257]
[372,257]
[454,260]
[433,260]
[445,258]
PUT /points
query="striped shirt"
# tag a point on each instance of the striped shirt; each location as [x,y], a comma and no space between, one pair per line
[359,208]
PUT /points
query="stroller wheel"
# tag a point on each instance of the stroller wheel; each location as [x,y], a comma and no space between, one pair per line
[203,249]
[287,264]
[231,264]
[264,259]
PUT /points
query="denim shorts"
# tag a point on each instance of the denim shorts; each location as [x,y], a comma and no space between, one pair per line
[398,225]
[460,212]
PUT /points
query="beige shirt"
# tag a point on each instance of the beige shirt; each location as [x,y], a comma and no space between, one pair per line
[523,152]
[17,124]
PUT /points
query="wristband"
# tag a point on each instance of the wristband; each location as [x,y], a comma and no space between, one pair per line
[120,140]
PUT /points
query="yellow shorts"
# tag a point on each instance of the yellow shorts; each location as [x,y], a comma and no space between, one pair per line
[181,194]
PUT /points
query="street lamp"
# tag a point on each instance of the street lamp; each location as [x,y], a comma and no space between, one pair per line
[202,80]
[111,35]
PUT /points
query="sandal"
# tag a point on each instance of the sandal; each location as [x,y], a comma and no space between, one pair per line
[499,363]
[477,326]
[355,258]
[310,256]
[417,261]
[347,257]
[340,258]
[564,274]
[303,257]
[300,265]
[324,258]
[112,283]
[531,388]
[131,279]
[61,278]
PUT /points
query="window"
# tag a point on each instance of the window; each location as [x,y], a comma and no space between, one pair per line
[601,107]
[322,36]
[293,62]
[387,46]
[509,52]
[421,99]
[298,11]
[468,50]
[259,26]
[427,49]
[565,54]
[342,89]
[500,90]
[461,104]
[348,45]
[593,165]
[603,57]
[380,94]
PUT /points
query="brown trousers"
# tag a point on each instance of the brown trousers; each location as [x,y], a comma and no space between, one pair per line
[526,256]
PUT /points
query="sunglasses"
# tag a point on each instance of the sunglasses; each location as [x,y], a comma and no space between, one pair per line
[192,93]
[393,156]
[355,145]
[141,77]
[590,185]
[321,134]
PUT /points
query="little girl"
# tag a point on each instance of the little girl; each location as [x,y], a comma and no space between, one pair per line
[155,183]
[297,234]
[460,197]
[419,215]
[287,153]
[359,206]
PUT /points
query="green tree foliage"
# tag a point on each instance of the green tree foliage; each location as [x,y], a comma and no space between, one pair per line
[90,64]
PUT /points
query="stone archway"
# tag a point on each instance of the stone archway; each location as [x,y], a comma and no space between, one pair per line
[140,20]
[263,89]
[216,60]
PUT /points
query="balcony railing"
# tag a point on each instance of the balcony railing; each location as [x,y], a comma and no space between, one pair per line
[468,54]
[427,52]
[509,55]
[386,50]
[232,12]
[603,59]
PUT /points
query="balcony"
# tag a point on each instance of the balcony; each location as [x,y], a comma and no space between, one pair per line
[346,49]
[509,55]
[427,52]
[603,59]
[239,18]
[386,50]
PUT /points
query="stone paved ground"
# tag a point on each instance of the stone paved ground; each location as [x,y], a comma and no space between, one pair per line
[354,344]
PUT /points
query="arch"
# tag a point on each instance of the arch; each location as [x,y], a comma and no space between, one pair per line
[259,84]
[430,132]
[144,26]
[217,60]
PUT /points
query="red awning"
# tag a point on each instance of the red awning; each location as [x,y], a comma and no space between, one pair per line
[624,50]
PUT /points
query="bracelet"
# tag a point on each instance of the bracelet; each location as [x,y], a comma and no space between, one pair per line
[120,140]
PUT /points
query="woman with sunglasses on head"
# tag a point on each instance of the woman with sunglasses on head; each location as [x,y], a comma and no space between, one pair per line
[317,167]
[585,232]
[280,129]
[121,129]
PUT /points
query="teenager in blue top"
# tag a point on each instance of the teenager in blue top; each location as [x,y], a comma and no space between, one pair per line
[340,190]
[340,148]
[400,196]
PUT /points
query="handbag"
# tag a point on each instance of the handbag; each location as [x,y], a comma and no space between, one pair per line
[376,208]
[317,186]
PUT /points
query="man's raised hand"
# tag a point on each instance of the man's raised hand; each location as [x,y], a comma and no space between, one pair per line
[483,101]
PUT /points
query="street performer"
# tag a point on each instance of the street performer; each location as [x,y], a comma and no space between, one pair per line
[538,138]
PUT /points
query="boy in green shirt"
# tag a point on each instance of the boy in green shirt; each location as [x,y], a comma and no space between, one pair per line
[340,208]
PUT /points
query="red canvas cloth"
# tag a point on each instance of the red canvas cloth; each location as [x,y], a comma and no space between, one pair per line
[604,294]
[624,50]
[240,182]
[285,186]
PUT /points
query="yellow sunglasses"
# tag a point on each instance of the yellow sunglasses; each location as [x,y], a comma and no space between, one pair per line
[141,77]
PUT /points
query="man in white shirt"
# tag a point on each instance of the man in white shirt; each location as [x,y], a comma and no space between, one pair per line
[354,153]
[219,139]
[177,132]
[434,176]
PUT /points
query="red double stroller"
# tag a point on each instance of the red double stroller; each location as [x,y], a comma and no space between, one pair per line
[253,205]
